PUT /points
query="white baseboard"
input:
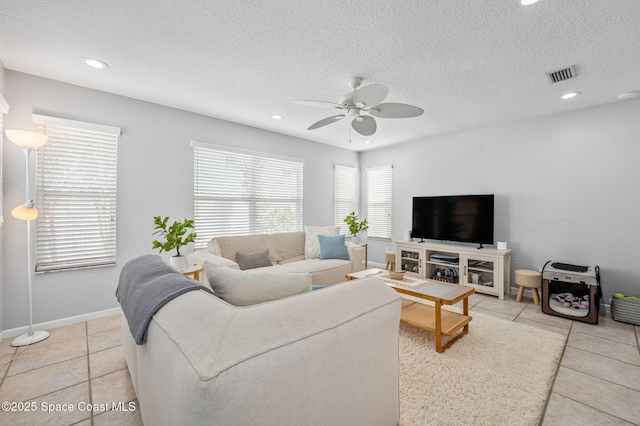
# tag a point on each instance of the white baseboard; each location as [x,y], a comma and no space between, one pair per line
[59,322]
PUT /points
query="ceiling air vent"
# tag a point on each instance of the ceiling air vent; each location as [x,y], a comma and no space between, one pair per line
[562,75]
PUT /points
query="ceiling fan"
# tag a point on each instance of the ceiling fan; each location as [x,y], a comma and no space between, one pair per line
[365,100]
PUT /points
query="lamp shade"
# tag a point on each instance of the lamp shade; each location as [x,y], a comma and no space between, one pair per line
[26,211]
[26,138]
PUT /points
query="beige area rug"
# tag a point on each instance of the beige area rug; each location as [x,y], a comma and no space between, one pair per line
[498,374]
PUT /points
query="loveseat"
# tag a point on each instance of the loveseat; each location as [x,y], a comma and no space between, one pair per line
[296,251]
[324,357]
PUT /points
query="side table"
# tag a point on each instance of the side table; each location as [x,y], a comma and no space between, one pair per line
[193,271]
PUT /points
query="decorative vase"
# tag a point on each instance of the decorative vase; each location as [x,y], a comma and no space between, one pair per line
[178,262]
[355,239]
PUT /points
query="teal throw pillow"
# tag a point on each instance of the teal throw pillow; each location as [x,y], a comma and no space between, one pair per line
[332,247]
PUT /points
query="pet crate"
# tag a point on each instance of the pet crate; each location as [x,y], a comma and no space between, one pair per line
[571,291]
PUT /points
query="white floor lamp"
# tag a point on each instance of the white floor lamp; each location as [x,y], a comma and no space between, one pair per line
[27,212]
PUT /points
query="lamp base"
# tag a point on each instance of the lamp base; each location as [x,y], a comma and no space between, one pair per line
[30,338]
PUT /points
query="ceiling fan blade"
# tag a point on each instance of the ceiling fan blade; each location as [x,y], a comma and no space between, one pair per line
[320,104]
[393,110]
[371,95]
[364,125]
[326,121]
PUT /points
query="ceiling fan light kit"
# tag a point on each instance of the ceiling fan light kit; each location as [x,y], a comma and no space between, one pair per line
[367,99]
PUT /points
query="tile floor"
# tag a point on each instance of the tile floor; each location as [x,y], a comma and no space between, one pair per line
[597,382]
[80,364]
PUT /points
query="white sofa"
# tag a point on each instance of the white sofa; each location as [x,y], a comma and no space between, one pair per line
[287,253]
[326,357]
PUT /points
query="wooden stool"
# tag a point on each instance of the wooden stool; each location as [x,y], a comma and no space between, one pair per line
[390,258]
[526,278]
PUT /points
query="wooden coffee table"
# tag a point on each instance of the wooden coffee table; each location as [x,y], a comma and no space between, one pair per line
[430,318]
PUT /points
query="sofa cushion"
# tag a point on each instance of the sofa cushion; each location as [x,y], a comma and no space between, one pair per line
[332,247]
[323,272]
[253,260]
[311,243]
[244,288]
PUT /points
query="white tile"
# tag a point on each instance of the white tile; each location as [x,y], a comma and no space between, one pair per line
[41,381]
[104,324]
[618,401]
[602,367]
[36,356]
[495,314]
[609,329]
[107,361]
[606,347]
[562,411]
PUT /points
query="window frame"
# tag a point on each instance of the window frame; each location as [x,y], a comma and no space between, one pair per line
[4,109]
[341,190]
[89,192]
[380,202]
[249,199]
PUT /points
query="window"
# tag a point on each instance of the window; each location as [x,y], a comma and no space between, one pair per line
[76,174]
[345,195]
[240,192]
[4,108]
[379,202]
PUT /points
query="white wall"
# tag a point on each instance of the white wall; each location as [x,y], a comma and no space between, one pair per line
[155,177]
[566,187]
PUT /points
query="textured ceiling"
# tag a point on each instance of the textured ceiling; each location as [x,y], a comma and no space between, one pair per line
[468,64]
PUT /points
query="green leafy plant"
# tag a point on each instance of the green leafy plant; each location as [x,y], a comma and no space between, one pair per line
[355,227]
[173,237]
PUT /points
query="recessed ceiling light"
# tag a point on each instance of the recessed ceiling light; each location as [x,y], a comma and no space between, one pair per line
[629,95]
[277,116]
[570,95]
[367,142]
[94,63]
[528,2]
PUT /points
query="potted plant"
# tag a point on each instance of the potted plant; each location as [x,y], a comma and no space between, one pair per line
[173,237]
[355,226]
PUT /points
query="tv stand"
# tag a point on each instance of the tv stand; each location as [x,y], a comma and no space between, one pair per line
[488,273]
[480,247]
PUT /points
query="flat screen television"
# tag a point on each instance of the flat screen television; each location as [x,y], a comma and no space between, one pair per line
[460,218]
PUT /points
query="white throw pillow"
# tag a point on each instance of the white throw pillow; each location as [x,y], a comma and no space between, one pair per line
[311,242]
[244,288]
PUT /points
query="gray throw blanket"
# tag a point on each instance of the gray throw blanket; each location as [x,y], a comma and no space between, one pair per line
[146,284]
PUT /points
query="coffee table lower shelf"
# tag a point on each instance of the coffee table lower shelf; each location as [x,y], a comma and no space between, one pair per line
[424,316]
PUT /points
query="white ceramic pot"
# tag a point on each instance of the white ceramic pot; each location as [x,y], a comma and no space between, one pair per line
[178,262]
[355,239]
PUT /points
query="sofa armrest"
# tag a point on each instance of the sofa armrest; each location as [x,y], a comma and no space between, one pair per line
[355,252]
[201,256]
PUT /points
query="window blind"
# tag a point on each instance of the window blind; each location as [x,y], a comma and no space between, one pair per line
[345,195]
[242,193]
[76,174]
[2,111]
[379,202]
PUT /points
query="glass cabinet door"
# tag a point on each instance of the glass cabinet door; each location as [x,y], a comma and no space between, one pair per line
[478,271]
[410,261]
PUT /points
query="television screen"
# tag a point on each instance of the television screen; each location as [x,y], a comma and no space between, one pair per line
[461,218]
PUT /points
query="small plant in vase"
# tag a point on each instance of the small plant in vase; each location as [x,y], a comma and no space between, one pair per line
[173,237]
[355,226]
